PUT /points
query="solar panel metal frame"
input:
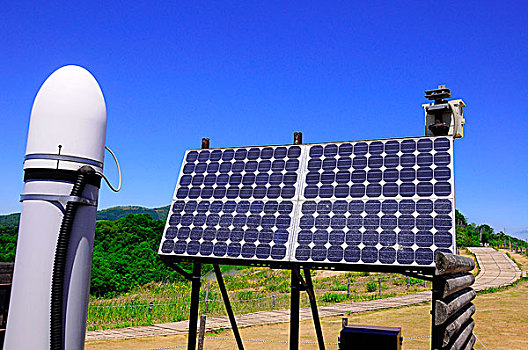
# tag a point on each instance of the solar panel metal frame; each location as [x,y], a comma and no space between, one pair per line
[298,200]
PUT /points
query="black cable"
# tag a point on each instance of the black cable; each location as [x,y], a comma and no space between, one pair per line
[59,264]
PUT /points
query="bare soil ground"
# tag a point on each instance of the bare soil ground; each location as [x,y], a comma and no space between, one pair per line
[501,323]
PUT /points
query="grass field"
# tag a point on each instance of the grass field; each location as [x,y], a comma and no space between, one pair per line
[251,289]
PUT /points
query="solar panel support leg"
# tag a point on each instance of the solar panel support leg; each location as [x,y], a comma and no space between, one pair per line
[294,310]
[227,304]
[195,304]
[315,311]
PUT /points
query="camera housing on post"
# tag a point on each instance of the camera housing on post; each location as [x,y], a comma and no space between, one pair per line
[443,117]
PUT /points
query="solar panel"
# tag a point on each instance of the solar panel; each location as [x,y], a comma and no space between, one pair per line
[379,202]
[235,203]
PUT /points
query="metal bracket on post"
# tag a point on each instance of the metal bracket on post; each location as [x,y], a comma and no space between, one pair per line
[188,276]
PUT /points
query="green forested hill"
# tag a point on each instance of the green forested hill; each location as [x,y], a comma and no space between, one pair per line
[10,220]
[114,213]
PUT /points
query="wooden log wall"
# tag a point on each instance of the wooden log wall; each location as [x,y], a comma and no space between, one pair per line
[452,308]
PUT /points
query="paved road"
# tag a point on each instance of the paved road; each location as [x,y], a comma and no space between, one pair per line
[496,269]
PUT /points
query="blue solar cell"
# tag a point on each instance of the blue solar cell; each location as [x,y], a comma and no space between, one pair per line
[360,148]
[352,254]
[408,146]
[406,238]
[359,162]
[249,250]
[336,237]
[263,251]
[375,161]
[424,222]
[203,156]
[372,207]
[370,238]
[353,237]
[294,152]
[302,253]
[342,191]
[442,206]
[319,253]
[167,246]
[440,159]
[335,254]
[407,175]
[206,248]
[442,188]
[407,190]
[280,152]
[424,189]
[320,237]
[340,207]
[373,190]
[358,176]
[425,145]
[329,164]
[405,256]
[234,250]
[345,149]
[390,190]
[369,255]
[392,147]
[374,176]
[424,159]
[424,239]
[424,256]
[389,206]
[193,247]
[330,150]
[443,239]
[389,222]
[387,238]
[216,155]
[192,156]
[387,255]
[357,191]
[390,175]
[442,144]
[278,252]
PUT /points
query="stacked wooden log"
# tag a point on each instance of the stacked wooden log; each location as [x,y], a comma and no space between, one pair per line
[452,307]
[6,276]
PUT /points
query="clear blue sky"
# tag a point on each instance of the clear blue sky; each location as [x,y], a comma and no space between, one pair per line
[248,73]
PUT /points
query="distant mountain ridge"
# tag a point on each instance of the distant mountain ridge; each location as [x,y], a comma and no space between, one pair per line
[114,213]
[118,212]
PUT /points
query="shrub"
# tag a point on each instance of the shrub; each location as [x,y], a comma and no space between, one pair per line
[333,297]
[372,286]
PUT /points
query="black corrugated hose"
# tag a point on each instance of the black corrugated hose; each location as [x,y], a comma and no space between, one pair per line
[59,264]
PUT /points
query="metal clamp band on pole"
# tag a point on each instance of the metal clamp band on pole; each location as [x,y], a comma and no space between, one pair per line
[64,158]
[57,198]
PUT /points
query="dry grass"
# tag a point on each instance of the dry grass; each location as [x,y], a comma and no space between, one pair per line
[501,323]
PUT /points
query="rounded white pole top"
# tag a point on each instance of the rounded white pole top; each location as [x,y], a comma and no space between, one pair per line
[68,122]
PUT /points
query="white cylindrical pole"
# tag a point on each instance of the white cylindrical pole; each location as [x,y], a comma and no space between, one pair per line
[67,131]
